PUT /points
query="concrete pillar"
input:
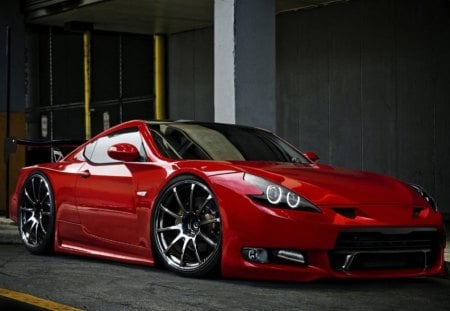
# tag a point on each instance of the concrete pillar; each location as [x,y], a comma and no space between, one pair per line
[244,62]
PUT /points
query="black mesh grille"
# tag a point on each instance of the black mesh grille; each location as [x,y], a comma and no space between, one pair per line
[391,248]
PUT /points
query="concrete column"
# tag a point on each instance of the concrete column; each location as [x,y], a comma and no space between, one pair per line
[224,61]
[244,62]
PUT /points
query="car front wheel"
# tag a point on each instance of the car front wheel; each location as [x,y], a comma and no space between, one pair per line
[186,228]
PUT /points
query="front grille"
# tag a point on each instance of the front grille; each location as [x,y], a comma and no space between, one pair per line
[385,248]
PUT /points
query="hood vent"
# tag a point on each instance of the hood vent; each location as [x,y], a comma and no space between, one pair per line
[347,212]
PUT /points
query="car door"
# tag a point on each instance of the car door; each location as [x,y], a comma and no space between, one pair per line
[106,190]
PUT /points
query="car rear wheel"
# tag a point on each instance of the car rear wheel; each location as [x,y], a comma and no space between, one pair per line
[36,214]
[186,228]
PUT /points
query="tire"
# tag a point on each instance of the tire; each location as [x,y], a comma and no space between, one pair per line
[36,214]
[186,230]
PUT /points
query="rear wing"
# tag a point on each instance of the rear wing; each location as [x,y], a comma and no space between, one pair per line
[55,146]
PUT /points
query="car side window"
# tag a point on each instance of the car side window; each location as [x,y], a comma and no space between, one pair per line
[97,151]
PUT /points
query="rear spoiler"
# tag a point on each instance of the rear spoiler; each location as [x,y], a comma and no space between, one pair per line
[55,146]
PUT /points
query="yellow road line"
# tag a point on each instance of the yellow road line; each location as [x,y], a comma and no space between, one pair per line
[35,301]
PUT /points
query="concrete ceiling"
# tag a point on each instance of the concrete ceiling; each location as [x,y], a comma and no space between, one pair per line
[139,16]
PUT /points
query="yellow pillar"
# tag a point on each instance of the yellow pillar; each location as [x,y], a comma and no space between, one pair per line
[159,77]
[87,82]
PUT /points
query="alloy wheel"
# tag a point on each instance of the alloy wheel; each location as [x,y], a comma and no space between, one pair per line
[36,214]
[187,227]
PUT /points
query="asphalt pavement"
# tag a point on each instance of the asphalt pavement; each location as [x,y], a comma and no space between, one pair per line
[64,282]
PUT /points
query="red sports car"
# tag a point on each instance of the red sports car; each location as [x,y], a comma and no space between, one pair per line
[200,198]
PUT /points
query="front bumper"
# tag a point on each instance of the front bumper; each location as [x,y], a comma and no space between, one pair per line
[247,224]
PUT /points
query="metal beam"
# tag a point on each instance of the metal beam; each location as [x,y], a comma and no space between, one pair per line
[87,82]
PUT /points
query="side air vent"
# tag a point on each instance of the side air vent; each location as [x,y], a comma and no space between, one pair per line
[417,211]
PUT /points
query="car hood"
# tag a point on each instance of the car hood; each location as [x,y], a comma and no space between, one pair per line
[326,185]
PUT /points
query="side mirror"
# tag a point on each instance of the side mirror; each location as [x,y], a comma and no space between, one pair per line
[123,152]
[312,156]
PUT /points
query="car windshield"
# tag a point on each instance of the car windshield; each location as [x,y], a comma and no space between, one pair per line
[221,142]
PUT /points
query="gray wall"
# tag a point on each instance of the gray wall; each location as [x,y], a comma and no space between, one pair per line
[366,85]
[190,75]
[10,15]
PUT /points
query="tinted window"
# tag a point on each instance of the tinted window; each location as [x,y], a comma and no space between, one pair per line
[97,151]
[221,142]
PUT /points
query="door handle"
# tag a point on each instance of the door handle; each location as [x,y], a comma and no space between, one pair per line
[85,173]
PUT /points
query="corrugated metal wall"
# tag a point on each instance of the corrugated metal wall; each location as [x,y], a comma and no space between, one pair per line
[367,85]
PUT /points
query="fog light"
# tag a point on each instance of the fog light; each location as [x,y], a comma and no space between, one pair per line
[291,256]
[254,254]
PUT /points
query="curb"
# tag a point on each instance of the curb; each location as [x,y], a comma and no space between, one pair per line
[9,234]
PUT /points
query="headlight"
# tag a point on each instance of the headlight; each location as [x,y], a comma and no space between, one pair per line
[278,196]
[426,196]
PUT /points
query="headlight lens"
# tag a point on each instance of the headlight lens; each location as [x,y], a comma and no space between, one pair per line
[293,200]
[274,194]
[426,196]
[278,196]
